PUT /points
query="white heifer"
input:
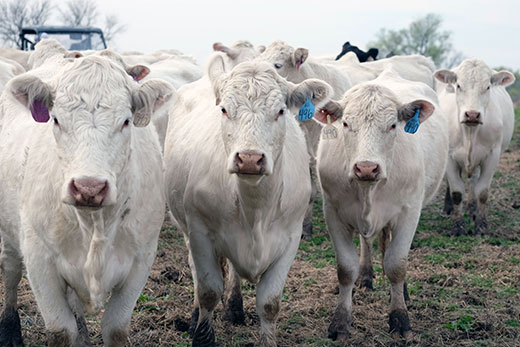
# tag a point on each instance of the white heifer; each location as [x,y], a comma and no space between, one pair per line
[295,67]
[21,57]
[236,175]
[481,116]
[375,180]
[8,69]
[81,196]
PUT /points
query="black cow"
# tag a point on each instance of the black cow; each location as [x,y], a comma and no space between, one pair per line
[362,56]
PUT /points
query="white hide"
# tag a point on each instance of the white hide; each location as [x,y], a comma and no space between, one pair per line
[94,251]
[254,221]
[21,57]
[411,169]
[8,69]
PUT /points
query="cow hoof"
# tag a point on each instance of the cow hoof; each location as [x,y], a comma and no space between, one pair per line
[365,278]
[459,228]
[307,231]
[10,330]
[194,321]
[400,324]
[472,210]
[481,226]
[234,312]
[204,335]
[340,325]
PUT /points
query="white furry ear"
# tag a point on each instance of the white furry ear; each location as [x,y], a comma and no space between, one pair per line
[230,52]
[216,68]
[445,76]
[317,90]
[34,94]
[407,111]
[299,56]
[502,78]
[148,98]
[332,109]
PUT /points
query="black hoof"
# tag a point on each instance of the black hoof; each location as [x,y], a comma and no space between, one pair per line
[340,325]
[481,226]
[234,311]
[472,210]
[399,324]
[10,330]
[204,335]
[194,321]
[307,230]
[459,228]
[365,279]
[448,203]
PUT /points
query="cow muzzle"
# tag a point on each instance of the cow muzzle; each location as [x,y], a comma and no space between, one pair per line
[88,192]
[249,163]
[367,171]
[472,118]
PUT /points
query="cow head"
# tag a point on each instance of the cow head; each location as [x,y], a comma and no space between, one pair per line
[239,52]
[285,59]
[253,104]
[472,82]
[94,107]
[369,118]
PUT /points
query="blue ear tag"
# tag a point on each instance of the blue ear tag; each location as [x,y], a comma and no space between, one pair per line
[413,123]
[307,111]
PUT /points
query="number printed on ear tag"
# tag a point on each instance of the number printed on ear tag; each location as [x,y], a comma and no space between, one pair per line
[413,123]
[329,132]
[307,111]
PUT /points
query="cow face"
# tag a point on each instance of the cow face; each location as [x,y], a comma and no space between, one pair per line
[369,117]
[253,104]
[93,107]
[472,82]
[285,59]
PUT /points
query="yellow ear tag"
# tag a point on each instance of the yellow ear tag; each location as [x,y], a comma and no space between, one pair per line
[329,132]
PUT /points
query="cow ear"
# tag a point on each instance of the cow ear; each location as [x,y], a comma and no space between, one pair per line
[34,94]
[299,56]
[73,54]
[332,109]
[260,49]
[317,91]
[216,68]
[502,78]
[407,111]
[138,72]
[148,98]
[445,76]
[230,52]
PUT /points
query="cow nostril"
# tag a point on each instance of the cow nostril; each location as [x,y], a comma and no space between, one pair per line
[376,170]
[260,161]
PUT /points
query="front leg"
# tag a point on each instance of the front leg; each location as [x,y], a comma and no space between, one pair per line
[270,288]
[366,272]
[481,190]
[347,264]
[233,303]
[395,263]
[457,188]
[11,264]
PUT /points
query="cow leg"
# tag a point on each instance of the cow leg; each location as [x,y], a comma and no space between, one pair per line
[448,203]
[472,199]
[50,292]
[481,190]
[210,284]
[456,187]
[395,263]
[233,304]
[348,267]
[307,220]
[11,264]
[115,323]
[83,340]
[269,293]
[366,272]
[195,312]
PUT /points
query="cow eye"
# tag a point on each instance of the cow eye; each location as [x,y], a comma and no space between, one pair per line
[278,66]
[125,124]
[488,87]
[345,125]
[223,110]
[458,86]
[56,121]
[392,127]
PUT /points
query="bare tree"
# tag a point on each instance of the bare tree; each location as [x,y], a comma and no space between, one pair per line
[16,14]
[79,13]
[112,27]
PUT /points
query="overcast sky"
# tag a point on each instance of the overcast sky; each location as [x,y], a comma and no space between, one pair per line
[489,30]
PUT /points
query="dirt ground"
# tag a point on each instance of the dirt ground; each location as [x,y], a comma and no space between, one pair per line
[465,291]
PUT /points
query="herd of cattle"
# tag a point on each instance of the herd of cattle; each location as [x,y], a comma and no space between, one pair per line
[94,144]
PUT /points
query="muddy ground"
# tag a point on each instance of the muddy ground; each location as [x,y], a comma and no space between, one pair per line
[465,291]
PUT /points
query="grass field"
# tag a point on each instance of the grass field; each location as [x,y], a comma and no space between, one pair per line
[465,291]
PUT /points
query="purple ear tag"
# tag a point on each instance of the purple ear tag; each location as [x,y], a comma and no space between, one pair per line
[40,112]
[413,123]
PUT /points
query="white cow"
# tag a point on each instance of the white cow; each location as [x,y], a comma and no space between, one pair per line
[481,116]
[21,57]
[81,196]
[48,49]
[8,69]
[376,178]
[236,175]
[295,67]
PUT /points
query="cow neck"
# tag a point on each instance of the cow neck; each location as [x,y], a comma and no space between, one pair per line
[469,135]
[256,201]
[366,195]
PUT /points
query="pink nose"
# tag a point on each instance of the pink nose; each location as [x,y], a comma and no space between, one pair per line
[367,171]
[250,163]
[88,191]
[472,117]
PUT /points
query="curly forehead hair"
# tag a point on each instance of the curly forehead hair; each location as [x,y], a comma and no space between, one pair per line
[370,101]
